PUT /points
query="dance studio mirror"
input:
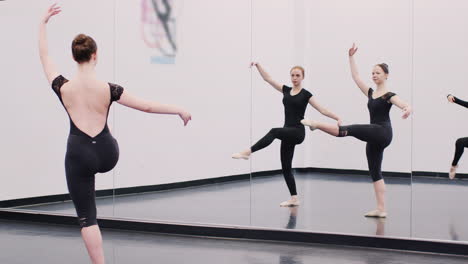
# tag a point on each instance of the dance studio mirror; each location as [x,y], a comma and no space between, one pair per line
[441,52]
[35,125]
[194,54]
[331,175]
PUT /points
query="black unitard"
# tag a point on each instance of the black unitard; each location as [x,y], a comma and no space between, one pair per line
[87,156]
[461,143]
[291,134]
[378,134]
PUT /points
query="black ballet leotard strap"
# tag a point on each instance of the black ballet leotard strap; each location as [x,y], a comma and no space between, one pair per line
[387,96]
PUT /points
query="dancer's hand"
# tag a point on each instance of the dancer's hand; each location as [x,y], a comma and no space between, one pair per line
[339,122]
[451,98]
[51,11]
[352,50]
[253,64]
[406,112]
[185,116]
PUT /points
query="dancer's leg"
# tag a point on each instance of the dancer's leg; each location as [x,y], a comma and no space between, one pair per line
[460,146]
[287,154]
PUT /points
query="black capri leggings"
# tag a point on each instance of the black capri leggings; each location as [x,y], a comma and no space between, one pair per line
[85,157]
[460,146]
[378,137]
[290,137]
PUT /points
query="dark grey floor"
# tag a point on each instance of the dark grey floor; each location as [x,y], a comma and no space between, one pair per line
[440,208]
[38,243]
[330,203]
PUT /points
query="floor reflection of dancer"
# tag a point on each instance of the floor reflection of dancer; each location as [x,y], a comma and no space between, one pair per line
[91,148]
[377,134]
[292,221]
[295,100]
[461,143]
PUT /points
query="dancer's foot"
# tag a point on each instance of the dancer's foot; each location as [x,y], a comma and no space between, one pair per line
[376,213]
[291,202]
[311,124]
[241,155]
[453,171]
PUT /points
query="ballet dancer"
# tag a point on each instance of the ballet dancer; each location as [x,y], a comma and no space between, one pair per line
[91,148]
[295,100]
[461,143]
[377,134]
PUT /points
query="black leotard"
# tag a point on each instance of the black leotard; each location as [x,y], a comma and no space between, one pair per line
[87,156]
[291,134]
[378,134]
[461,143]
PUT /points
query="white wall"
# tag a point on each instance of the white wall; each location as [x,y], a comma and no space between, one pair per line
[440,63]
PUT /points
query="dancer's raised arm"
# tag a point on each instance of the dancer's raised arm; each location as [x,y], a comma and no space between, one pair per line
[354,71]
[47,64]
[267,77]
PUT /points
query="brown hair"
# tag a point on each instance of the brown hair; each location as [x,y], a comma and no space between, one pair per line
[298,68]
[384,67]
[83,47]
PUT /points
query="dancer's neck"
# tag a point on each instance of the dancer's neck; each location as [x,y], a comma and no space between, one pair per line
[381,87]
[86,70]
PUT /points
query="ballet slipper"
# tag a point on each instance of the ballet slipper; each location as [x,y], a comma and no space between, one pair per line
[290,203]
[376,213]
[240,156]
[311,124]
[452,172]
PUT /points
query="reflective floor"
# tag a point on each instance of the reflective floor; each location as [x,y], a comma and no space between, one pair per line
[440,208]
[40,243]
[330,203]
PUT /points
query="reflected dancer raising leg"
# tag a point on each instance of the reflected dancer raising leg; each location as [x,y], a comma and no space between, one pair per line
[295,100]
[378,134]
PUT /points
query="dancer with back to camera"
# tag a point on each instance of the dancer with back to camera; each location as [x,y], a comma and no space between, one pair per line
[91,148]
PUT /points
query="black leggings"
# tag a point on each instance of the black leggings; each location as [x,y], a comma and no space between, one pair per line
[460,146]
[85,157]
[290,137]
[378,137]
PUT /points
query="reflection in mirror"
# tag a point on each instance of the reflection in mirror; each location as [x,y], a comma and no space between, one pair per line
[439,135]
[333,182]
[33,157]
[189,55]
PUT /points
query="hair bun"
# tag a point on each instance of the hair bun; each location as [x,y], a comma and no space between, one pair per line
[81,39]
[83,47]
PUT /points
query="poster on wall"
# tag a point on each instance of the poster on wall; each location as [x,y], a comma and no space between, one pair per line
[159,23]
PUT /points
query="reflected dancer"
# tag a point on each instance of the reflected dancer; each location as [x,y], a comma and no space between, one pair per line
[461,143]
[287,259]
[379,226]
[378,134]
[292,218]
[295,100]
